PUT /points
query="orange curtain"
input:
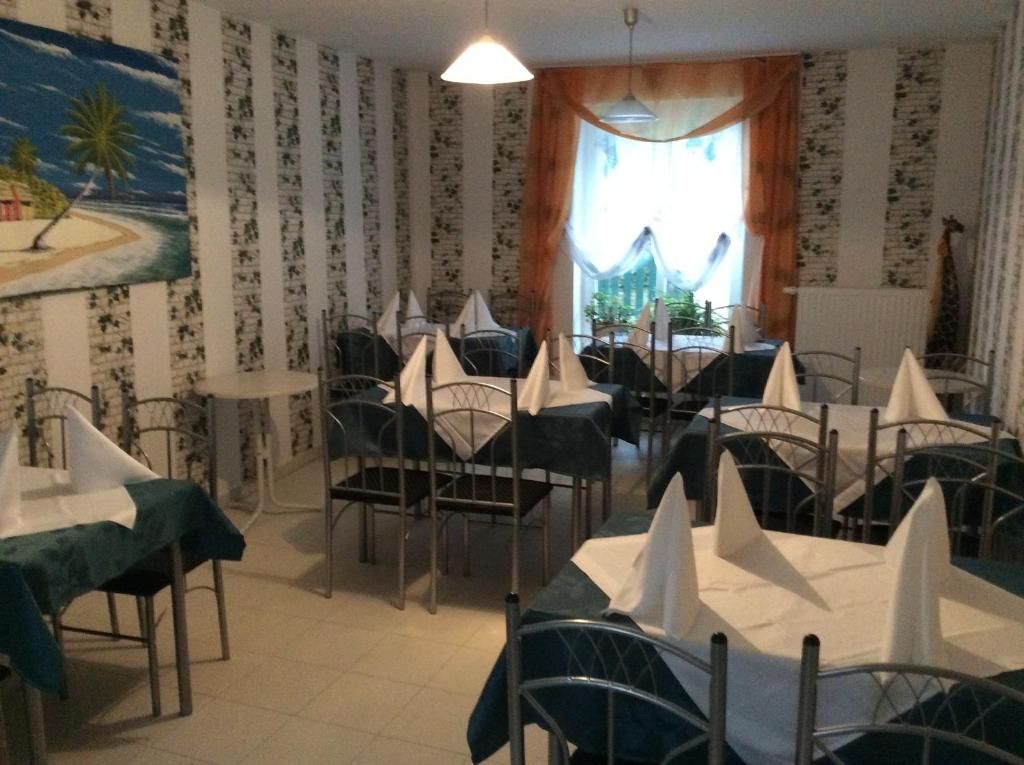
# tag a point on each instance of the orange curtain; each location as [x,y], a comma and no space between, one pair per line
[690,100]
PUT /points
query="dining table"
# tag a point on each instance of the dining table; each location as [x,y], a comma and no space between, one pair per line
[41,573]
[642,732]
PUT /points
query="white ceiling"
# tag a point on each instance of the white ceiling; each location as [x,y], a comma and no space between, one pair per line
[427,34]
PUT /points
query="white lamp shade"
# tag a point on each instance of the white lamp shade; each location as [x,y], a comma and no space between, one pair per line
[628,111]
[486,62]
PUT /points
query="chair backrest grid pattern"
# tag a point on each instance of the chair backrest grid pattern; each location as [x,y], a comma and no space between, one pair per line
[44,406]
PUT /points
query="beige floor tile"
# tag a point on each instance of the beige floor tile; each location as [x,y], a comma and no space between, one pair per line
[465,672]
[436,718]
[257,631]
[405,659]
[361,702]
[388,751]
[451,624]
[125,754]
[333,645]
[303,742]
[281,685]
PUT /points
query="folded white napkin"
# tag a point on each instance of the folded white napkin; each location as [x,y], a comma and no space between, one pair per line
[781,388]
[413,313]
[661,589]
[534,393]
[387,324]
[447,368]
[736,526]
[738,322]
[912,397]
[661,323]
[643,322]
[97,463]
[10,483]
[475,316]
[414,378]
[573,376]
[919,554]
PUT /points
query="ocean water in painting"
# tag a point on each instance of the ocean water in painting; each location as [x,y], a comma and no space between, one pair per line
[64,101]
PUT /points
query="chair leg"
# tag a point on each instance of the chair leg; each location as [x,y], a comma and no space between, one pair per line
[363,552]
[58,637]
[222,610]
[329,549]
[445,521]
[465,546]
[140,607]
[400,595]
[545,566]
[151,650]
[588,510]
[371,534]
[115,626]
[36,723]
[433,559]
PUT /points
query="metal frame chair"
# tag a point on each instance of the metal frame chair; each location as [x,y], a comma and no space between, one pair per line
[475,485]
[614,662]
[486,352]
[756,450]
[721,314]
[701,386]
[822,365]
[361,334]
[961,369]
[961,473]
[406,342]
[373,435]
[939,707]
[190,428]
[594,354]
[45,404]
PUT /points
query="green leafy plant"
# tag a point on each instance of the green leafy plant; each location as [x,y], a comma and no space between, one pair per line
[683,309]
[607,309]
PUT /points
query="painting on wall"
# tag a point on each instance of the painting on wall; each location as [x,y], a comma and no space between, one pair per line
[92,171]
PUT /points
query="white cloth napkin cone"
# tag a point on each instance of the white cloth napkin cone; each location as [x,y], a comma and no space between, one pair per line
[781,388]
[643,322]
[736,526]
[738,322]
[534,393]
[919,555]
[414,378]
[447,368]
[10,483]
[97,463]
[573,376]
[912,397]
[661,590]
[475,316]
[387,324]
[414,315]
[661,322]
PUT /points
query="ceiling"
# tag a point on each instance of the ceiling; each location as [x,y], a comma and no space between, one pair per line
[427,34]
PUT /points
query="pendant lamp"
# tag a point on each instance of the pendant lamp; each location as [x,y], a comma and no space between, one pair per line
[629,111]
[486,62]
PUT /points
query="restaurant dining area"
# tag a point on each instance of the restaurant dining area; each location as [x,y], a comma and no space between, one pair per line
[436,382]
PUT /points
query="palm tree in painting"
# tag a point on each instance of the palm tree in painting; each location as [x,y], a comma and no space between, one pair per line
[23,157]
[100,136]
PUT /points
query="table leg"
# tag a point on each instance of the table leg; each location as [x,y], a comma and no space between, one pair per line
[36,726]
[180,631]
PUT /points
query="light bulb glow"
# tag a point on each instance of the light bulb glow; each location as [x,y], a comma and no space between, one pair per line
[486,62]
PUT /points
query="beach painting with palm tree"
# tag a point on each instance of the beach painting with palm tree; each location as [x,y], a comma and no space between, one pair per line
[92,169]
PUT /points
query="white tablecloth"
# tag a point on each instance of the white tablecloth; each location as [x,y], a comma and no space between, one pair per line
[689,363]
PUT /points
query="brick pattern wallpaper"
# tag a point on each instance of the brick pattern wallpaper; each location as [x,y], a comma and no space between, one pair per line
[89,18]
[511,105]
[334,197]
[822,104]
[371,183]
[400,134]
[915,137]
[446,296]
[293,252]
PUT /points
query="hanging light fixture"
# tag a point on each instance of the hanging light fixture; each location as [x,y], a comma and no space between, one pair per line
[629,110]
[486,62]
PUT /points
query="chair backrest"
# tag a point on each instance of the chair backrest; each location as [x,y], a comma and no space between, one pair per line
[492,352]
[406,340]
[351,344]
[831,377]
[46,423]
[912,713]
[595,355]
[960,456]
[786,458]
[720,315]
[556,667]
[706,371]
[184,431]
[362,436]
[956,374]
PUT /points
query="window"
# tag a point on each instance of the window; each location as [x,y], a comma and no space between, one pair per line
[646,217]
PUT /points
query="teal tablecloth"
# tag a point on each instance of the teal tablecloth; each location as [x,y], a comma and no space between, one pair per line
[40,573]
[572,595]
[567,440]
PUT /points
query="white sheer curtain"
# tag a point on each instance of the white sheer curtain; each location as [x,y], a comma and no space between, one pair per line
[676,199]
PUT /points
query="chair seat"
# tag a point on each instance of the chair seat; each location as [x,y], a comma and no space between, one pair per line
[150,575]
[373,486]
[486,489]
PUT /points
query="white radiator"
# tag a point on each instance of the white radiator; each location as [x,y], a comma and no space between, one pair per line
[881,321]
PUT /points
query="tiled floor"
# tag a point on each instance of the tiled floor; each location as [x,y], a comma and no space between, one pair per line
[346,680]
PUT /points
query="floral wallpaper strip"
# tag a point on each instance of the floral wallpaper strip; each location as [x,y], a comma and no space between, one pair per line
[446,295]
[245,256]
[21,357]
[511,126]
[184,301]
[293,252]
[334,192]
[915,137]
[822,118]
[400,132]
[109,312]
[89,18]
[371,183]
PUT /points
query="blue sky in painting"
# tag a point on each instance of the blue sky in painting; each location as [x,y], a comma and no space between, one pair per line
[42,70]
